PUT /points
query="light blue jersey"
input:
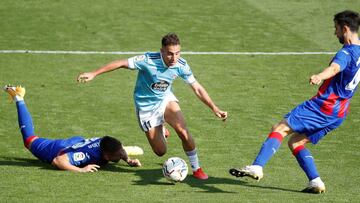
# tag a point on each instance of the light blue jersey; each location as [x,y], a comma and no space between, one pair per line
[155,78]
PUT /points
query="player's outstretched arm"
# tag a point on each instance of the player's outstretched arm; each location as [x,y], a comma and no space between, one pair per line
[202,94]
[62,162]
[88,76]
[327,73]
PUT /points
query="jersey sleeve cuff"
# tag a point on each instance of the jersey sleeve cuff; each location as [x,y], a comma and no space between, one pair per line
[131,63]
[191,79]
[341,65]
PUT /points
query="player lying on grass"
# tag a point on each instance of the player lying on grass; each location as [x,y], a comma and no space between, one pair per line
[154,100]
[313,119]
[73,154]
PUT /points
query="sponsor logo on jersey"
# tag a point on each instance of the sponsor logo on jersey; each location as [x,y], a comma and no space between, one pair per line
[160,86]
[78,156]
[94,145]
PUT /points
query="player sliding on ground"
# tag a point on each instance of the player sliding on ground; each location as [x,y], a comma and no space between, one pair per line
[313,119]
[73,154]
[154,100]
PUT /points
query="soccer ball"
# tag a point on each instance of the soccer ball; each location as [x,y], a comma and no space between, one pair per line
[175,169]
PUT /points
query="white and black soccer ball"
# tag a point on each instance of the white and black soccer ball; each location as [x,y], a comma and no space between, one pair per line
[175,169]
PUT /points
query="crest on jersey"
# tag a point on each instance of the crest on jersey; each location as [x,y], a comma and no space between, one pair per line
[160,86]
[139,58]
[78,156]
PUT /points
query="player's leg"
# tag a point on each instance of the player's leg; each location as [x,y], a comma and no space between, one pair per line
[157,140]
[174,117]
[166,132]
[272,143]
[306,161]
[267,150]
[151,122]
[24,117]
[39,147]
[296,144]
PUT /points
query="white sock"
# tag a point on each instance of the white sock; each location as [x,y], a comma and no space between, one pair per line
[194,160]
[317,180]
[18,98]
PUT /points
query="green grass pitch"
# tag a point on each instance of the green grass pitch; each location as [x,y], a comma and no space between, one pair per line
[255,90]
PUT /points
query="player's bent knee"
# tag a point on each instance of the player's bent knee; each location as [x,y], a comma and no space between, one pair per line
[273,128]
[160,152]
[282,127]
[293,143]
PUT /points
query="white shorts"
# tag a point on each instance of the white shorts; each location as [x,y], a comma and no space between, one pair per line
[155,117]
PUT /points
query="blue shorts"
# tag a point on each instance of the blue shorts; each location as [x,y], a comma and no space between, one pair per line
[309,120]
[46,149]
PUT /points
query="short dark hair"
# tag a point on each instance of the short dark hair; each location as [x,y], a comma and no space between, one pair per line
[110,145]
[348,18]
[170,39]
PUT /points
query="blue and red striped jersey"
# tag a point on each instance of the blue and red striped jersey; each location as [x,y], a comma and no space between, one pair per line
[334,94]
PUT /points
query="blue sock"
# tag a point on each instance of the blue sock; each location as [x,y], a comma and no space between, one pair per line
[268,149]
[25,121]
[306,162]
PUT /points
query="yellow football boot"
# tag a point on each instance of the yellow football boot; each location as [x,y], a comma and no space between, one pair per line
[15,93]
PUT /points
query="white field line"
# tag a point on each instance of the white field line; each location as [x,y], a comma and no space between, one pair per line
[135,52]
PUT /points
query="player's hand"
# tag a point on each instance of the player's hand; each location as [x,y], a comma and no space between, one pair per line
[134,162]
[315,80]
[85,77]
[221,114]
[90,168]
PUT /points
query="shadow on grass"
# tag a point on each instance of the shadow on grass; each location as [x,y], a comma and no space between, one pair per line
[155,177]
[29,162]
[149,176]
[117,168]
[209,184]
[24,162]
[246,184]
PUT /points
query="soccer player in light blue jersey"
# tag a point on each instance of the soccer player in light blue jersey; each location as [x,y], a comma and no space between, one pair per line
[313,119]
[154,100]
[73,154]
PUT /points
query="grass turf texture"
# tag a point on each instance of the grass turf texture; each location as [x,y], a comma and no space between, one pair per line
[255,90]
